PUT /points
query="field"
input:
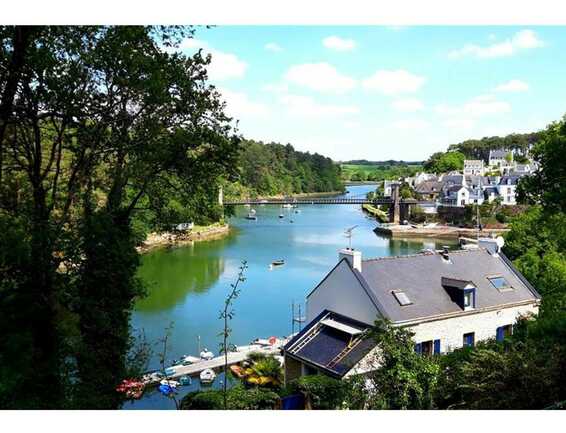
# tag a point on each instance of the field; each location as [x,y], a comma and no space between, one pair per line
[378,172]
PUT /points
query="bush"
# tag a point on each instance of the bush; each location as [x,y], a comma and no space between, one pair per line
[323,392]
[239,398]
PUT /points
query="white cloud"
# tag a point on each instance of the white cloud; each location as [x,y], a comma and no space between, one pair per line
[408,105]
[513,86]
[321,77]
[339,44]
[394,82]
[409,124]
[272,46]
[476,107]
[523,40]
[238,105]
[222,66]
[306,106]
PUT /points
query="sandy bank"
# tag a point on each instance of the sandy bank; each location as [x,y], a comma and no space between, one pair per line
[198,234]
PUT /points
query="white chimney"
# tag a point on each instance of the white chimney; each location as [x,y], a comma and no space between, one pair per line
[353,256]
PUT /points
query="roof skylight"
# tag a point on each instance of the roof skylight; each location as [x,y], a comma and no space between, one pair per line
[499,283]
[401,297]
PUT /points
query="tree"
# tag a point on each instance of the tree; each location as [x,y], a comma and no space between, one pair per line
[227,314]
[401,378]
[101,116]
[442,162]
[547,186]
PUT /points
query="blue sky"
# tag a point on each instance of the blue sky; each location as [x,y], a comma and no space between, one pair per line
[386,92]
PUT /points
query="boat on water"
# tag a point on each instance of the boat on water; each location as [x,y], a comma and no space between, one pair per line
[281,215]
[279,262]
[206,354]
[189,360]
[237,371]
[287,206]
[185,380]
[170,382]
[207,376]
[251,215]
[297,210]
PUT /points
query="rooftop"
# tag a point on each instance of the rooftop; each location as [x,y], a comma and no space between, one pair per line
[421,276]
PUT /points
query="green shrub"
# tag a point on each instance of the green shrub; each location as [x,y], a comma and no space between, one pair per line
[323,392]
[239,398]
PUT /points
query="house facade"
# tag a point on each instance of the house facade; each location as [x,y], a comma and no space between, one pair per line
[448,299]
[474,167]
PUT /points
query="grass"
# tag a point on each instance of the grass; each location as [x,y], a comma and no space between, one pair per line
[377,172]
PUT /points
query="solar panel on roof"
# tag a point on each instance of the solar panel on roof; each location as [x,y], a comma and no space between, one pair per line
[402,298]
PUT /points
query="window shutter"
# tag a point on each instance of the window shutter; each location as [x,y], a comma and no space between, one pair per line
[418,348]
[436,346]
[499,334]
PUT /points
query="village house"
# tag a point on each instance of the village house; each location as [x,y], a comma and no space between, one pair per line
[474,167]
[387,184]
[501,160]
[448,299]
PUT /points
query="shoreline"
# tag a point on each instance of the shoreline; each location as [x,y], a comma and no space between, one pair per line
[400,231]
[167,239]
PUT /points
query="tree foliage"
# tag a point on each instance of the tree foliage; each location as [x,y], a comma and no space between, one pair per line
[443,162]
[98,124]
[268,169]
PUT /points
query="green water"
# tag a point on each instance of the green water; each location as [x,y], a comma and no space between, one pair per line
[187,286]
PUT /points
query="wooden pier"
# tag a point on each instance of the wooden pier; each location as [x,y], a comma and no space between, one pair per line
[218,362]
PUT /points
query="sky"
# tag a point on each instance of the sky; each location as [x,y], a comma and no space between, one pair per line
[385,92]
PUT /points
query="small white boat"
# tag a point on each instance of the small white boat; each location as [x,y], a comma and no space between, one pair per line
[185,380]
[281,215]
[171,383]
[189,360]
[251,215]
[207,376]
[206,355]
[287,206]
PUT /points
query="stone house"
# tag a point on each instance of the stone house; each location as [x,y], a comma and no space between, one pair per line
[448,299]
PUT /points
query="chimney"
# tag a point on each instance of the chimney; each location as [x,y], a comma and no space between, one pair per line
[353,256]
[445,255]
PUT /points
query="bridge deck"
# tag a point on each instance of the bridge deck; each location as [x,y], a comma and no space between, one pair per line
[293,201]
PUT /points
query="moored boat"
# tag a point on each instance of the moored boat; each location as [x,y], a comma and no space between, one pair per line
[206,354]
[185,380]
[207,376]
[279,262]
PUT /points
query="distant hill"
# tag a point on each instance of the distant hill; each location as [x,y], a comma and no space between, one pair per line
[391,162]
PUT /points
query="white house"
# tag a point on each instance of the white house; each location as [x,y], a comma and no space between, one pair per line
[474,167]
[498,161]
[387,184]
[507,189]
[448,299]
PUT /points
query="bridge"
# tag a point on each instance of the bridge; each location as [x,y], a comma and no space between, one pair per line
[399,208]
[298,201]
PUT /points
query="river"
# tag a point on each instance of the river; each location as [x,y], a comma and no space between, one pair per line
[187,286]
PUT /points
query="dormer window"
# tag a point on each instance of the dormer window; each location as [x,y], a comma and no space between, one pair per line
[462,292]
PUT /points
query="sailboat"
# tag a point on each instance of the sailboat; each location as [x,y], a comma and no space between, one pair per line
[251,215]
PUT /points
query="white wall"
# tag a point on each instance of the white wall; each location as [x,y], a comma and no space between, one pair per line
[342,293]
[484,325]
[451,332]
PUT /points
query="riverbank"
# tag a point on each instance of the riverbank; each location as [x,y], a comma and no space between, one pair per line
[197,234]
[376,212]
[408,231]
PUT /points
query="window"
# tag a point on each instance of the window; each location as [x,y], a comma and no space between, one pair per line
[499,282]
[503,332]
[469,339]
[467,299]
[428,347]
[401,297]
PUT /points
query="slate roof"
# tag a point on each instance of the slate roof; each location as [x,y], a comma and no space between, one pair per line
[509,180]
[420,277]
[499,153]
[324,343]
[429,187]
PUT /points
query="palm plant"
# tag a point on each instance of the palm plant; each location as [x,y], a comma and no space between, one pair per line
[265,372]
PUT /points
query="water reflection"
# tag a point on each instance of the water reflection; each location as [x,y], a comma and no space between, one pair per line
[170,275]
